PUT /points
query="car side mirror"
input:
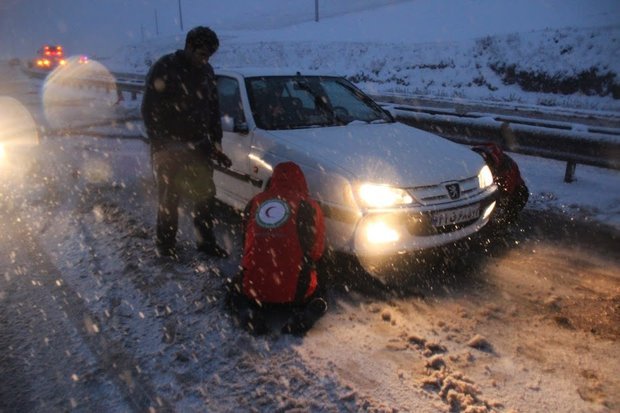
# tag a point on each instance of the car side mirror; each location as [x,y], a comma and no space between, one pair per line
[230,124]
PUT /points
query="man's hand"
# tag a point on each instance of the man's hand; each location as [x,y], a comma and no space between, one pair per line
[221,158]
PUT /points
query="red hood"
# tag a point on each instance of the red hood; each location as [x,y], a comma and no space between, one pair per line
[288,177]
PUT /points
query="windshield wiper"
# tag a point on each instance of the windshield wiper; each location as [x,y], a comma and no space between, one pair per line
[367,122]
[357,122]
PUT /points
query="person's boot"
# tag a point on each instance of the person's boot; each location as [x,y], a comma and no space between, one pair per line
[257,325]
[167,250]
[302,320]
[205,240]
[252,321]
[297,324]
[316,308]
[212,249]
[203,227]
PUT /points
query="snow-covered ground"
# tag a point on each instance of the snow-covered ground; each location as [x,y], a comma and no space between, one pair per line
[485,340]
[394,50]
[492,50]
[488,341]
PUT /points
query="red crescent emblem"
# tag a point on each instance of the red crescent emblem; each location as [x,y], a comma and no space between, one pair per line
[267,211]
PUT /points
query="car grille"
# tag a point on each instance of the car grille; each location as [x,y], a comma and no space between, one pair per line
[438,194]
[420,225]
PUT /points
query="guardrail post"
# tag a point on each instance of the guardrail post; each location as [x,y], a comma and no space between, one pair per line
[569,175]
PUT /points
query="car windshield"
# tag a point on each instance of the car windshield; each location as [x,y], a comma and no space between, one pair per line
[295,102]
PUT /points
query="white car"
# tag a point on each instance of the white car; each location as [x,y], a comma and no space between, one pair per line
[385,188]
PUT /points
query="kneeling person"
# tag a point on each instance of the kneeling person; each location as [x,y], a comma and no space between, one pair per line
[284,238]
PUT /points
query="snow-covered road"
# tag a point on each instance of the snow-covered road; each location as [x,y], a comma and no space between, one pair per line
[527,320]
[521,319]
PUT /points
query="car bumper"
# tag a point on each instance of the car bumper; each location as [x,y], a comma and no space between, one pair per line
[388,233]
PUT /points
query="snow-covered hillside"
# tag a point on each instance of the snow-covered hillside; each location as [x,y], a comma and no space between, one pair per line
[571,67]
[552,53]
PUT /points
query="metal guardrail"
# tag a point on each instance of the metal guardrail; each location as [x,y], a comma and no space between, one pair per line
[572,143]
[575,144]
[130,82]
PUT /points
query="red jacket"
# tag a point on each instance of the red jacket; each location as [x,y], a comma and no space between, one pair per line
[505,170]
[284,237]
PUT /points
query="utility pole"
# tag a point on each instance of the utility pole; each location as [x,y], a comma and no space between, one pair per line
[180,16]
[156,24]
[316,10]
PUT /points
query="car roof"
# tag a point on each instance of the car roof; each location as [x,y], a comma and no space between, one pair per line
[270,71]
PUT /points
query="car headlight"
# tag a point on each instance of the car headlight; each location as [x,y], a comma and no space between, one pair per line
[381,196]
[485,177]
[380,232]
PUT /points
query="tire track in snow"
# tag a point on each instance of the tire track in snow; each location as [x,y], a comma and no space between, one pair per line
[118,366]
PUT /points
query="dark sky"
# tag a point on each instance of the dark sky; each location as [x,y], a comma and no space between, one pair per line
[98,27]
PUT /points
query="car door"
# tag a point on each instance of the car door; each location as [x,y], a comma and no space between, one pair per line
[235,186]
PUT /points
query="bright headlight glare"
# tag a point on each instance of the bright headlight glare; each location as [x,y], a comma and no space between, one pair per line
[485,177]
[380,233]
[378,196]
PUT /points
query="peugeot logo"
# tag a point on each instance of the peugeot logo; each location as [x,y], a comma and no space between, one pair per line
[454,191]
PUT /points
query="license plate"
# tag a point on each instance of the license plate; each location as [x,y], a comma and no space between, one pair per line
[455,216]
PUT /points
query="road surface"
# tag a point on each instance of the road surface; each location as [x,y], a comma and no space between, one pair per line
[525,318]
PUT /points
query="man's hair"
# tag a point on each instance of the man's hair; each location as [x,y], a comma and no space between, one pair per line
[202,37]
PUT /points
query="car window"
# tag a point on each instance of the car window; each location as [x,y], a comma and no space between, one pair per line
[349,105]
[293,102]
[230,98]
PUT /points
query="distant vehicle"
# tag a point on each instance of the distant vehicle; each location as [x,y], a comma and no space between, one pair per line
[50,57]
[385,188]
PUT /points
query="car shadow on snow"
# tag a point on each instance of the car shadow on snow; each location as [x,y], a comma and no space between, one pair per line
[459,268]
[433,273]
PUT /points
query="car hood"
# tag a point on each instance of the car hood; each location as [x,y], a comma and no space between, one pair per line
[390,153]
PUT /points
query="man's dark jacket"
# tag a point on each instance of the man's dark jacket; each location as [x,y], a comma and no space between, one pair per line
[180,103]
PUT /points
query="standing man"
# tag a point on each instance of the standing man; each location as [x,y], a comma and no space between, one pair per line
[181,113]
